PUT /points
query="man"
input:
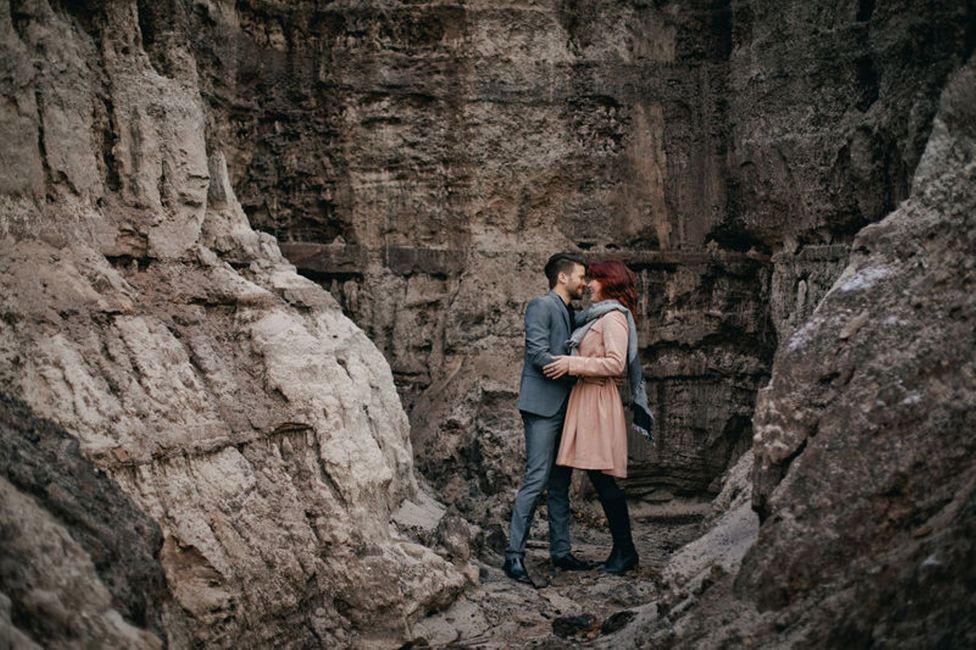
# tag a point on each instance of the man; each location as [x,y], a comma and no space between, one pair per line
[542,403]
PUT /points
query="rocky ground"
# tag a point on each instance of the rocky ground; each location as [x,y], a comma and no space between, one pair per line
[687,546]
[568,607]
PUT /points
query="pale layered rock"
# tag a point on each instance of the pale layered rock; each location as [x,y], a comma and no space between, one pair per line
[730,532]
[227,396]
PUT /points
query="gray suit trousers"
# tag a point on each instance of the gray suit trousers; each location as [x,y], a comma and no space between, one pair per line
[542,435]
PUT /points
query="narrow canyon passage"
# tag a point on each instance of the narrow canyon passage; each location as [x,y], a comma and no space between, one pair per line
[263,269]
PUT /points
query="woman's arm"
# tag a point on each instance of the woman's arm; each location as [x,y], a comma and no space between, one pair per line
[612,364]
[615,332]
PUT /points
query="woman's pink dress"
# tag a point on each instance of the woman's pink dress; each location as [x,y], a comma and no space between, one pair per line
[595,430]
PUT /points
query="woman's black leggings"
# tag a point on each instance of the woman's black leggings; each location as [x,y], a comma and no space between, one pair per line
[606,486]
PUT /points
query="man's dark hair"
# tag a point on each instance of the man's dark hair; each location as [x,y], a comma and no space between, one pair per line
[562,263]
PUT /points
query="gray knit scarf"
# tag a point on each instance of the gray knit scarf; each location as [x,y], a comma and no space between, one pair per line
[585,319]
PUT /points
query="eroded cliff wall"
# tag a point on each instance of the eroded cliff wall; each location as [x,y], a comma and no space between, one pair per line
[863,475]
[227,397]
[422,160]
[864,449]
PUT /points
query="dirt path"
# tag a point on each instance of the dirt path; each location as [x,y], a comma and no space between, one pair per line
[502,613]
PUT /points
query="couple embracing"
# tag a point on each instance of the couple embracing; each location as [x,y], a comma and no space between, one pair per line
[571,407]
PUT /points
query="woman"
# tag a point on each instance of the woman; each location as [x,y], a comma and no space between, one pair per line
[594,434]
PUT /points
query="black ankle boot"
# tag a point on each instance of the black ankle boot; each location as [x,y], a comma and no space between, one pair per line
[625,560]
[623,556]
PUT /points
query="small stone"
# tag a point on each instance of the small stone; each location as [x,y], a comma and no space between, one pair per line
[617,621]
[855,324]
[580,625]
[660,496]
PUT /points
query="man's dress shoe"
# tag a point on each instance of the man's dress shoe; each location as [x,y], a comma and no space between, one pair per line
[514,568]
[569,562]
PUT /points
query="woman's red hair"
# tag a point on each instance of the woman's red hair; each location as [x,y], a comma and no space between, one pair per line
[618,282]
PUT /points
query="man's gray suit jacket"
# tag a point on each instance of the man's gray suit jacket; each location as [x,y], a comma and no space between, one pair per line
[547,329]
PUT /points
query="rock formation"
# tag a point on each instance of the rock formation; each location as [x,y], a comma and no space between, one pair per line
[864,475]
[80,558]
[864,446]
[164,365]
[421,161]
[226,396]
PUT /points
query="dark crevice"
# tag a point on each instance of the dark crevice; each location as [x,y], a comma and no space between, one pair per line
[109,138]
[84,13]
[162,185]
[737,239]
[867,82]
[129,262]
[146,27]
[327,278]
[865,9]
[897,178]
[160,22]
[20,18]
[576,16]
[42,147]
[722,29]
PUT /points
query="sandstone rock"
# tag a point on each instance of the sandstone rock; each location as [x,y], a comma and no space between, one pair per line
[80,558]
[225,395]
[866,495]
[864,445]
[422,161]
[730,533]
[863,474]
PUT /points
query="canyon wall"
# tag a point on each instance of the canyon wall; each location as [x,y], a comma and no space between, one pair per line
[864,449]
[422,161]
[168,165]
[863,474]
[223,410]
